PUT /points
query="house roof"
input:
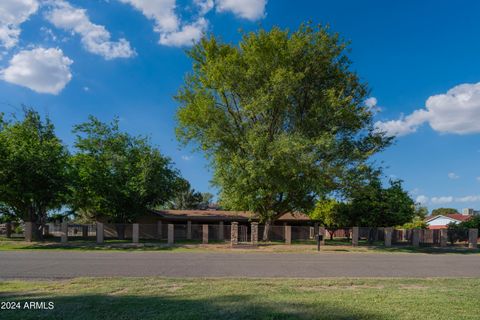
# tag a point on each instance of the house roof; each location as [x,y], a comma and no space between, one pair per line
[454,216]
[224,215]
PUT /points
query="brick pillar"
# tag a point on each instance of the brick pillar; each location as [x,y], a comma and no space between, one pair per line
[159,230]
[355,234]
[28,231]
[322,231]
[100,236]
[388,236]
[472,238]
[288,234]
[234,233]
[9,229]
[189,230]
[205,233]
[64,232]
[443,237]
[171,230]
[221,235]
[85,232]
[135,233]
[416,238]
[315,228]
[312,232]
[254,233]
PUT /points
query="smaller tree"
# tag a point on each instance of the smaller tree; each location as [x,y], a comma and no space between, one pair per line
[331,214]
[444,211]
[186,198]
[118,176]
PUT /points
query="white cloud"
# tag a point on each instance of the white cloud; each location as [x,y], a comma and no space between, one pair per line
[456,111]
[468,199]
[95,38]
[421,199]
[247,9]
[187,158]
[371,102]
[441,200]
[453,175]
[41,70]
[12,14]
[478,178]
[188,34]
[204,5]
[404,125]
[173,32]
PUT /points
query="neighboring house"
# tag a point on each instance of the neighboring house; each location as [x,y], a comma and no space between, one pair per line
[442,221]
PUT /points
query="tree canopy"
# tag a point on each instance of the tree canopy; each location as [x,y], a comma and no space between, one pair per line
[33,169]
[444,211]
[186,198]
[281,117]
[118,176]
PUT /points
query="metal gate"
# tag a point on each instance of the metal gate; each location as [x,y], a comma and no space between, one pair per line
[243,233]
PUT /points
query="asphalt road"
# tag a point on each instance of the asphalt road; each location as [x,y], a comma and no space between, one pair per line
[58,264]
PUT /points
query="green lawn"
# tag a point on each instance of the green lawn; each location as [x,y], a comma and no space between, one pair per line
[160,298]
[189,246]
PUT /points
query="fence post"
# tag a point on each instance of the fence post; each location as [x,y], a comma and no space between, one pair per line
[9,229]
[28,231]
[312,232]
[234,233]
[472,238]
[315,229]
[321,230]
[205,233]
[254,233]
[159,230]
[64,232]
[135,233]
[443,237]
[189,230]
[416,238]
[46,230]
[288,234]
[171,230]
[388,236]
[355,234]
[100,238]
[221,236]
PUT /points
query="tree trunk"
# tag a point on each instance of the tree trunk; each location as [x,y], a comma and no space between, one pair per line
[266,231]
[120,231]
[330,232]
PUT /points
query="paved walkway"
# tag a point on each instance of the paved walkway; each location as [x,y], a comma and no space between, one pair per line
[62,264]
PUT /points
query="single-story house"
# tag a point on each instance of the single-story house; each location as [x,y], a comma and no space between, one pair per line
[216,216]
[442,221]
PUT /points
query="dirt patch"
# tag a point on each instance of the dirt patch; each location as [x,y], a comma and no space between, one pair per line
[336,287]
[413,287]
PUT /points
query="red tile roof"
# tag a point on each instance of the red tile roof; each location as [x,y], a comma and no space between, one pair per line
[458,216]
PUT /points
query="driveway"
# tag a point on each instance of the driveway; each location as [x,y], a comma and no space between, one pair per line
[63,264]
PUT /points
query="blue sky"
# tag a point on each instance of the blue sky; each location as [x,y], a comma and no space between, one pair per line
[126,58]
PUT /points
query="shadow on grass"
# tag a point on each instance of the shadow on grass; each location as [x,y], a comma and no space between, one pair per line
[118,307]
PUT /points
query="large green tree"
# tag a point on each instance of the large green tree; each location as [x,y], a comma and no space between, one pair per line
[118,176]
[281,117]
[33,169]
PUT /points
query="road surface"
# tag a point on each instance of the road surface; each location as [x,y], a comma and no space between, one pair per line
[64,264]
